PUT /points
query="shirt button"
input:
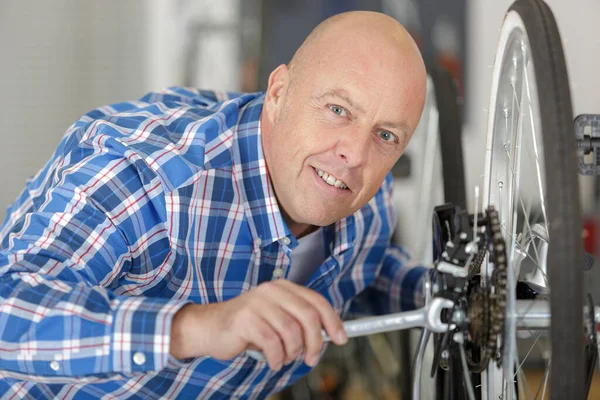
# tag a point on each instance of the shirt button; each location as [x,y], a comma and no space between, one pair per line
[55,365]
[286,240]
[277,273]
[139,358]
[258,242]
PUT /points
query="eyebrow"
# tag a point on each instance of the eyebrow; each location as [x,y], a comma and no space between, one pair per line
[401,126]
[343,94]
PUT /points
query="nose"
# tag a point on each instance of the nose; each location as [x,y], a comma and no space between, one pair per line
[353,147]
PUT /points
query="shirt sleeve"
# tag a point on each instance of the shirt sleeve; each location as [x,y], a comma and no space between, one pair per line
[88,220]
[398,287]
[400,281]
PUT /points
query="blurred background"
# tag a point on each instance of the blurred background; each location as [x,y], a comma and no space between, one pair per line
[62,58]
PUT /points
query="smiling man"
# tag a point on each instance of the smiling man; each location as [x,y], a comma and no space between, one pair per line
[167,236]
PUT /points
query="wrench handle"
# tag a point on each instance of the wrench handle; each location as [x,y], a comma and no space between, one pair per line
[426,317]
[383,323]
[371,325]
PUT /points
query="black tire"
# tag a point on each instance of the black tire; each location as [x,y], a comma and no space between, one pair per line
[565,252]
[450,130]
[450,135]
[453,171]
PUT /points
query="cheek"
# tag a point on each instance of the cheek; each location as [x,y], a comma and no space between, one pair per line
[305,139]
[375,176]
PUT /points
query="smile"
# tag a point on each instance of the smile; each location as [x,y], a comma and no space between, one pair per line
[330,179]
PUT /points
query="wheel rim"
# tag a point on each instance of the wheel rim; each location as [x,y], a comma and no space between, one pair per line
[515,183]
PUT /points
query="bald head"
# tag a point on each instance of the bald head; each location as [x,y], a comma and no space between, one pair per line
[368,32]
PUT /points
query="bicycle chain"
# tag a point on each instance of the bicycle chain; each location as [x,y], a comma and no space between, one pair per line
[488,303]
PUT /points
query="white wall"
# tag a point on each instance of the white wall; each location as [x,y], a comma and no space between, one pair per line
[60,59]
[578,23]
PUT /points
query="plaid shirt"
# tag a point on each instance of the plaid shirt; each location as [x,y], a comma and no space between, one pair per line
[144,207]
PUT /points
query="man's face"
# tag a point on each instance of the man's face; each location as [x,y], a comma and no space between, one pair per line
[335,136]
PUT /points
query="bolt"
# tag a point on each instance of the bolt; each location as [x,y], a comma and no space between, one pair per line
[471,247]
[458,316]
[458,337]
[444,356]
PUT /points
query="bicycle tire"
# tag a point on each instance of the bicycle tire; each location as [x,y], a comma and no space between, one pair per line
[565,251]
[453,178]
[450,135]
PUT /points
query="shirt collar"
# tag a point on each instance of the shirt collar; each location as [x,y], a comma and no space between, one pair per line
[250,170]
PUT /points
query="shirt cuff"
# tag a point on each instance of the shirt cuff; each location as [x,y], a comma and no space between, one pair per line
[411,289]
[141,333]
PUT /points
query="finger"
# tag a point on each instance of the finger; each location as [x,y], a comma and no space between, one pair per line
[262,336]
[330,319]
[306,315]
[289,330]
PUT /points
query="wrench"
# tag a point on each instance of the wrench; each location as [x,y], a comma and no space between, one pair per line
[428,317]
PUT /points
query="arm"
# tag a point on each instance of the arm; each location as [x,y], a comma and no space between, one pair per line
[398,287]
[62,251]
[399,284]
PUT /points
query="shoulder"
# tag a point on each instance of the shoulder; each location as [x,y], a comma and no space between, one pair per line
[165,133]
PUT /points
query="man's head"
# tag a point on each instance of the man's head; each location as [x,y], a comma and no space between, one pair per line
[343,111]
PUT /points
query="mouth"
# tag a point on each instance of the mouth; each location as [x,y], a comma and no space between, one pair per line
[331,180]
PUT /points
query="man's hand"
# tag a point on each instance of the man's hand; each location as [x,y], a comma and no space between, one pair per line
[278,318]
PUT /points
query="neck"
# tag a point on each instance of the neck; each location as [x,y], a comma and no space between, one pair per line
[298,229]
[308,229]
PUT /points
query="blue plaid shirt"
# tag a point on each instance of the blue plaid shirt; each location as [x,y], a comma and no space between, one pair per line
[144,207]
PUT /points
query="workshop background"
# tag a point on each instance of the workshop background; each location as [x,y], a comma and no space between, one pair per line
[62,58]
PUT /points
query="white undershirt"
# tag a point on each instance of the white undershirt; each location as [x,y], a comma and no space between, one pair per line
[307,257]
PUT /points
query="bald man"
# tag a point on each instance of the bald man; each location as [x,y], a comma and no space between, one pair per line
[167,236]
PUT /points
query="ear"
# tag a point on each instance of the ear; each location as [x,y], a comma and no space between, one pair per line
[276,90]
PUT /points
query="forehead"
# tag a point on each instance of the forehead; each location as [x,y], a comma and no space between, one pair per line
[382,96]
[363,73]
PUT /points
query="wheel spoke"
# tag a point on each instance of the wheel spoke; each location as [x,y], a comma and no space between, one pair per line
[544,382]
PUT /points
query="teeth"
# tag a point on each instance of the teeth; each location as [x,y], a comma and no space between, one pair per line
[331,180]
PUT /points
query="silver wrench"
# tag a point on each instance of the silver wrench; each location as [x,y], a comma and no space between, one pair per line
[428,317]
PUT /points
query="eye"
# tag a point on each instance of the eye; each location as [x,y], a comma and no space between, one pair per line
[387,136]
[339,110]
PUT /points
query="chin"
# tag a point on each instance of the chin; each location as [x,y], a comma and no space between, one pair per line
[323,219]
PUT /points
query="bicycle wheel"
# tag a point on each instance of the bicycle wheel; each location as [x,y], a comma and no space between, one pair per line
[531,178]
[439,178]
[450,134]
[437,170]
[453,178]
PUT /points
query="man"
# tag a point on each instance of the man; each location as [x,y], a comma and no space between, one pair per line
[150,252]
